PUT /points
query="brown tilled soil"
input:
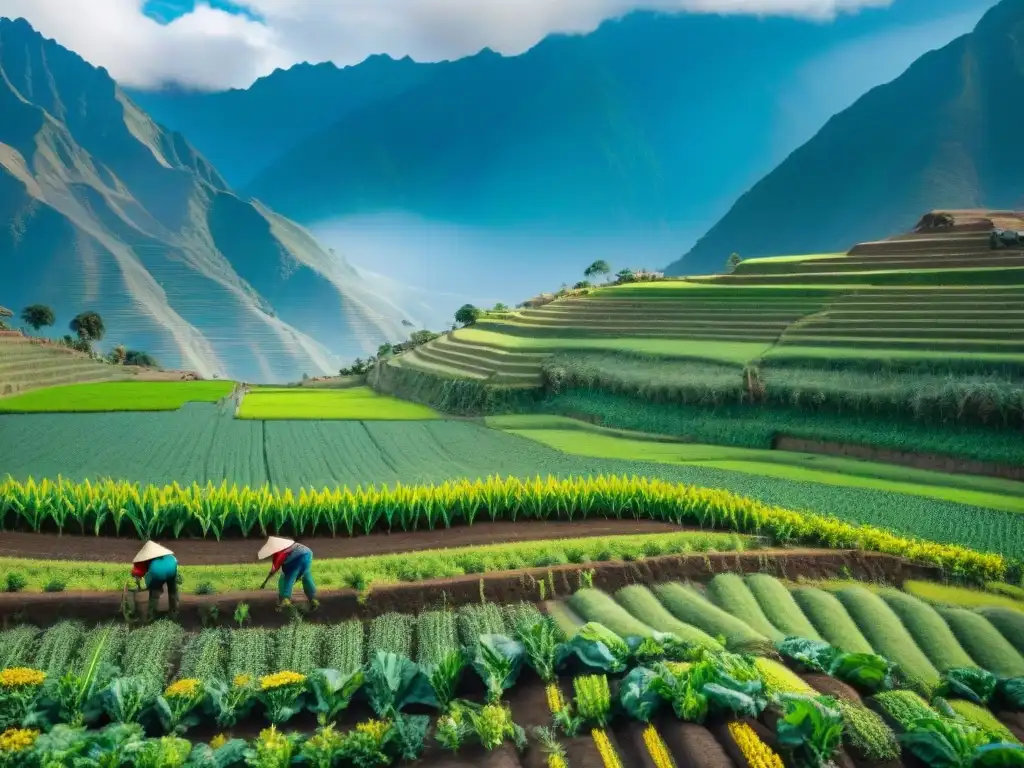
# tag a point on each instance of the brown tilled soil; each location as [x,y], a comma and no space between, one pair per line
[932,461]
[498,587]
[830,686]
[107,549]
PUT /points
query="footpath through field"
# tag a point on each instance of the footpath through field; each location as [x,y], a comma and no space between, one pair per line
[101,549]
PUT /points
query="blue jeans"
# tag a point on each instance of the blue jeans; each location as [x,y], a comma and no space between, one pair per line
[300,568]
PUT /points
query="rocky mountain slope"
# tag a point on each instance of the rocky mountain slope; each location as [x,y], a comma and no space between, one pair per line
[103,209]
[944,135]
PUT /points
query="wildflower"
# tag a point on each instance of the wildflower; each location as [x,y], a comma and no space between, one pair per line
[241,681]
[218,741]
[377,729]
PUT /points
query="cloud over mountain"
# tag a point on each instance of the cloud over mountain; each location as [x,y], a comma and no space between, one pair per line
[211,48]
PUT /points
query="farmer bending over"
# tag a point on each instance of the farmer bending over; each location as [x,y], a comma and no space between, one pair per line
[295,562]
[160,568]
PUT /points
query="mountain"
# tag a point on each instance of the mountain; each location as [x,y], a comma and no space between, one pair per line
[642,131]
[944,135]
[103,209]
[243,131]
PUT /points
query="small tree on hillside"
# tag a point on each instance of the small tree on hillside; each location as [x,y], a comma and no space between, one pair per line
[499,307]
[38,316]
[625,276]
[385,349]
[88,326]
[733,262]
[4,314]
[598,268]
[134,357]
[118,355]
[467,314]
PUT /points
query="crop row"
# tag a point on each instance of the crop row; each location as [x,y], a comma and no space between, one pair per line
[664,676]
[175,511]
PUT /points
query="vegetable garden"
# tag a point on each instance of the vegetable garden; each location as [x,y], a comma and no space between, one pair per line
[674,675]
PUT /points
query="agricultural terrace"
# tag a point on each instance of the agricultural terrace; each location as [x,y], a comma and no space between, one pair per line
[588,676]
[356,403]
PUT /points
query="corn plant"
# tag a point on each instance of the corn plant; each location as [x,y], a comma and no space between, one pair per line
[593,698]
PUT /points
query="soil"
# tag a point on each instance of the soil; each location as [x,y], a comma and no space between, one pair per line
[831,687]
[499,587]
[692,744]
[932,461]
[633,750]
[109,549]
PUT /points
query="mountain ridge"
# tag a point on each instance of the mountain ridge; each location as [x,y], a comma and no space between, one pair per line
[107,210]
[940,136]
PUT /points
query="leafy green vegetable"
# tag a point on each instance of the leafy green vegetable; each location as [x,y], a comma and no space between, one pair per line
[971,683]
[810,729]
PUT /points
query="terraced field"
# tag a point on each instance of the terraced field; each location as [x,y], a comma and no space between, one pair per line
[26,365]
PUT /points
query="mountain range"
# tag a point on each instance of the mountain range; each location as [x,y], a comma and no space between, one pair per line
[647,128]
[103,209]
[945,134]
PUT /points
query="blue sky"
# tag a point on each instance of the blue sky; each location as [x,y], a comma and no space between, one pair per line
[168,10]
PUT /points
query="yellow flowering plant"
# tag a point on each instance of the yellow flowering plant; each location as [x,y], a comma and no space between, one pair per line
[282,695]
[323,748]
[230,701]
[179,706]
[656,748]
[17,740]
[19,689]
[272,749]
[609,757]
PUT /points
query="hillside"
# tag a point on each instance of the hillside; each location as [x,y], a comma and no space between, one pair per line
[105,210]
[945,134]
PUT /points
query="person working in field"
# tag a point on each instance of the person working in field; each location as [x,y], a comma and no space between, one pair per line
[160,569]
[295,563]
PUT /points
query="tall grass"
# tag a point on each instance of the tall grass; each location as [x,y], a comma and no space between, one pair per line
[644,606]
[983,642]
[595,605]
[1009,622]
[729,593]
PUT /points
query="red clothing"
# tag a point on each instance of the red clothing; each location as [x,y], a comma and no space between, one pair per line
[278,560]
[140,569]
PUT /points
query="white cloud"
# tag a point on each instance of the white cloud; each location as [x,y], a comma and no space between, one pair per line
[209,48]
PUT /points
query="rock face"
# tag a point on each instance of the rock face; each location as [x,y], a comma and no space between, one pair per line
[103,209]
[944,135]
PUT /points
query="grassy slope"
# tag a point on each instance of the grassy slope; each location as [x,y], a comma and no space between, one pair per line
[117,396]
[356,403]
[584,440]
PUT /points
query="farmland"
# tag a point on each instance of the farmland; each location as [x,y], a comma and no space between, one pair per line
[198,444]
[107,397]
[355,403]
[612,677]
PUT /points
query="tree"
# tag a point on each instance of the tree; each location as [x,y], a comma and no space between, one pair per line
[88,326]
[134,357]
[119,355]
[4,314]
[467,314]
[581,285]
[599,267]
[421,337]
[385,349]
[499,307]
[733,262]
[625,276]
[37,316]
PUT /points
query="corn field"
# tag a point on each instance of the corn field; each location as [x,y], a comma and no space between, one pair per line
[175,511]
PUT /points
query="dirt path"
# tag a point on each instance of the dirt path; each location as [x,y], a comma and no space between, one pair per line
[236,551]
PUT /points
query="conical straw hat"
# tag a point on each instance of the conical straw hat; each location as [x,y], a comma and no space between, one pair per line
[150,551]
[274,545]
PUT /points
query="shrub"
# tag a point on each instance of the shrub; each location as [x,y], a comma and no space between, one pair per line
[55,585]
[15,582]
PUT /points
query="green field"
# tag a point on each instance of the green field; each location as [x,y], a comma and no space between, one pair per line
[581,440]
[117,396]
[201,444]
[354,403]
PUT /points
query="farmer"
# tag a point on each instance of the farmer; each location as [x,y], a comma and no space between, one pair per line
[295,562]
[160,568]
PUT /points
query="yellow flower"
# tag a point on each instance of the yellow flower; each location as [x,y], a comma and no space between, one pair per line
[17,739]
[609,758]
[271,738]
[378,729]
[20,677]
[557,761]
[656,748]
[241,681]
[757,753]
[281,679]
[184,689]
[554,698]
[218,741]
